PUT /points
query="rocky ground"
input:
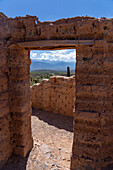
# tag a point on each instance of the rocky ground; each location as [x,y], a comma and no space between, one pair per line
[53,136]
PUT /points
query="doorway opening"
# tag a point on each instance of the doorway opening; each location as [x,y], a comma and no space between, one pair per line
[53,100]
[45,64]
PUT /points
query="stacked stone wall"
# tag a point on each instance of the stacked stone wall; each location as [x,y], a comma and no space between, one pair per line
[56,94]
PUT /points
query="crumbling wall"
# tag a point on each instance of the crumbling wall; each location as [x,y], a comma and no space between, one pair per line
[19,100]
[5,119]
[5,137]
[56,94]
[29,28]
[93,119]
[93,122]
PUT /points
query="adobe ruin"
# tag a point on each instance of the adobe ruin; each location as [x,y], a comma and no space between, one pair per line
[56,95]
[93,119]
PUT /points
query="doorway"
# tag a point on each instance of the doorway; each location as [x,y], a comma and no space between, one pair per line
[53,143]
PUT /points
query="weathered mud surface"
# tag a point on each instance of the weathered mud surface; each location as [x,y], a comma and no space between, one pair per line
[53,137]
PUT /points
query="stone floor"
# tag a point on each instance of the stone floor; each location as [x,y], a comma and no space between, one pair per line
[53,136]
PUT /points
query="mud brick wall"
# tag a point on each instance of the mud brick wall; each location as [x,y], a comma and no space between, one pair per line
[19,100]
[93,118]
[93,122]
[56,95]
[5,135]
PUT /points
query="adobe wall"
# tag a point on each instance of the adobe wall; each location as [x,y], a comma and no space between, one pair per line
[19,100]
[93,120]
[56,94]
[5,136]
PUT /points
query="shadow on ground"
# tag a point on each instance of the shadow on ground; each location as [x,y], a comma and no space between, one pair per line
[16,163]
[54,119]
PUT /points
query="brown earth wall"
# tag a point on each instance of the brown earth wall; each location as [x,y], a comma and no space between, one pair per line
[56,95]
[19,100]
[93,119]
[5,119]
[93,122]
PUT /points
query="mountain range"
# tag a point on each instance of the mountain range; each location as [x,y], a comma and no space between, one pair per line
[51,65]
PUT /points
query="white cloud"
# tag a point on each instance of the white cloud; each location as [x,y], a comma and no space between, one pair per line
[60,55]
[33,55]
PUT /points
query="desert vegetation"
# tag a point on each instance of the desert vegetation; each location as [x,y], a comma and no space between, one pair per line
[38,75]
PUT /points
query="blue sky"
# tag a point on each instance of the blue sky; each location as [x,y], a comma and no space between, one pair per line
[55,9]
[54,55]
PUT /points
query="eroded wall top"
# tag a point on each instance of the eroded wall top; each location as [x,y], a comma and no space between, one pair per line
[29,28]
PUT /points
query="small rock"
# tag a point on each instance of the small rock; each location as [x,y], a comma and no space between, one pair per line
[46,165]
[45,148]
[53,165]
[58,157]
[48,155]
[58,166]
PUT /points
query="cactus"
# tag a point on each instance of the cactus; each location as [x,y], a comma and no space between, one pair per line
[68,71]
[35,80]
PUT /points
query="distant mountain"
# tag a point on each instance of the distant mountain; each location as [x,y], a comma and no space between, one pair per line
[51,65]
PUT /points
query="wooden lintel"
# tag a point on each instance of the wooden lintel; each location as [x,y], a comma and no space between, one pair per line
[54,44]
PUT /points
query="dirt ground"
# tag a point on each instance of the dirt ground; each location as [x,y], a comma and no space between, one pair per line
[53,136]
